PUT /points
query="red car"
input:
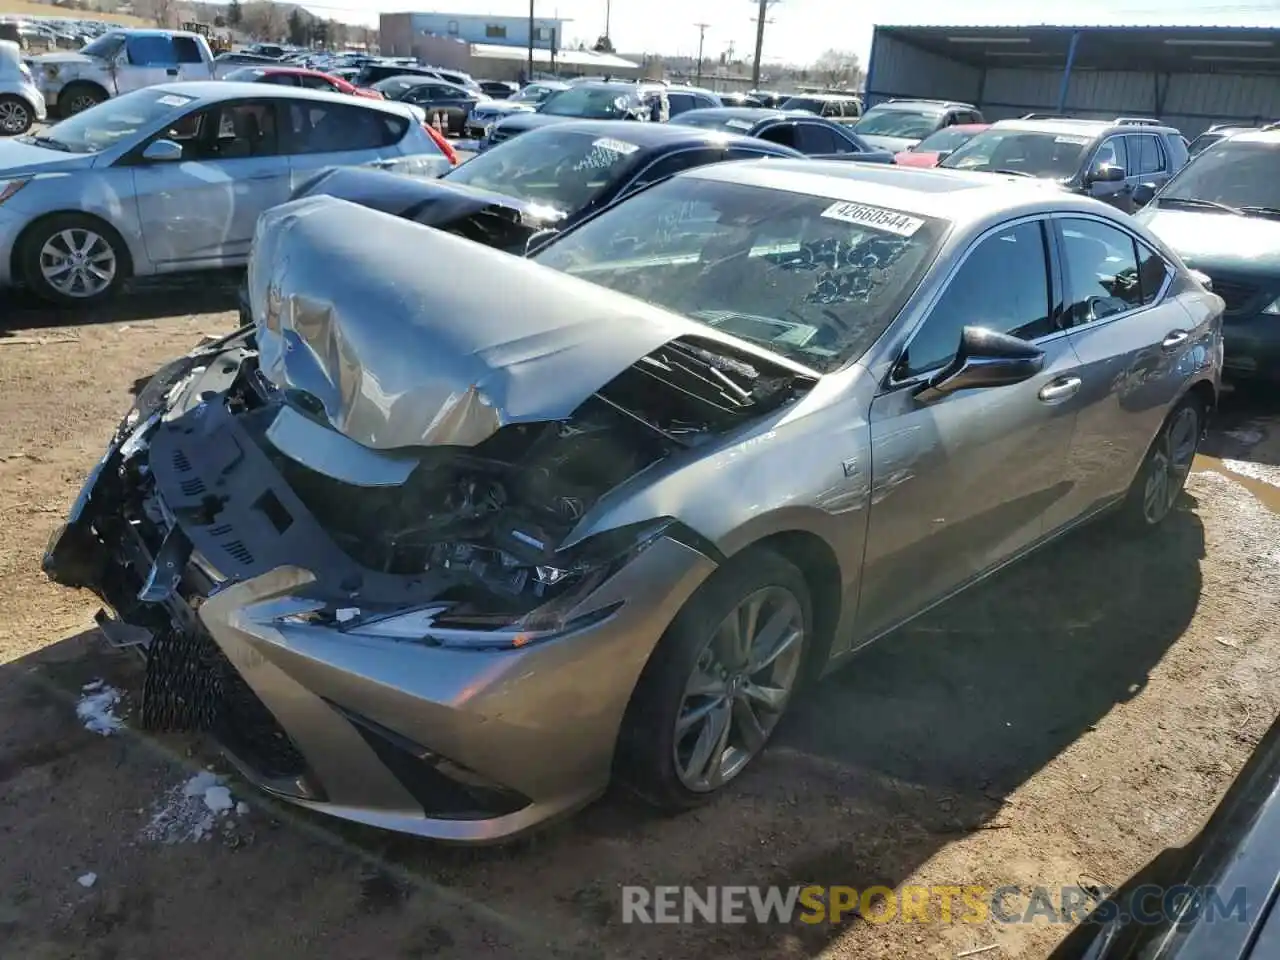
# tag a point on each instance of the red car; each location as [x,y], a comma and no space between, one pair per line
[300,77]
[936,147]
[316,80]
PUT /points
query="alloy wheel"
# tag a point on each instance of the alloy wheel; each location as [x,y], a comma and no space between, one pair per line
[738,689]
[82,102]
[1170,464]
[78,263]
[14,117]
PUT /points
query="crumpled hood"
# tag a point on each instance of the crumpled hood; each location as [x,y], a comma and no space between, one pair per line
[1211,240]
[377,318]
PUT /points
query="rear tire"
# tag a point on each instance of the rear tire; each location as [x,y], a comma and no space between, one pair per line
[701,714]
[16,116]
[1164,470]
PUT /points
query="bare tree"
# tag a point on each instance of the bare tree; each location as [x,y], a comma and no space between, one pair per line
[839,68]
[163,12]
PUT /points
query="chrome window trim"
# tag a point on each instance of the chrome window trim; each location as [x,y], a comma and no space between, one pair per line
[891,383]
[1169,272]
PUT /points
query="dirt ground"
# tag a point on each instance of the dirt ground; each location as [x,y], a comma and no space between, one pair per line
[1063,722]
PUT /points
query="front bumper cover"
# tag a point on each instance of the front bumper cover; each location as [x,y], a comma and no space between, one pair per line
[453,743]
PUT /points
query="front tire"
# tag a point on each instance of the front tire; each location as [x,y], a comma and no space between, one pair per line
[719,681]
[1164,471]
[78,97]
[73,260]
[16,116]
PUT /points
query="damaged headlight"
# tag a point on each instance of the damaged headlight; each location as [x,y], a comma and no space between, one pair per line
[550,607]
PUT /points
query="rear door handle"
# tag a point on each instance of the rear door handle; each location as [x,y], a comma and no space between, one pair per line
[1059,390]
[1175,339]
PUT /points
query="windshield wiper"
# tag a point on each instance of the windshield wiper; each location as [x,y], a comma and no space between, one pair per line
[1016,173]
[51,143]
[1206,204]
[1261,211]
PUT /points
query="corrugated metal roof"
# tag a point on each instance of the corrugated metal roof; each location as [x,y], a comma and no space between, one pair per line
[569,58]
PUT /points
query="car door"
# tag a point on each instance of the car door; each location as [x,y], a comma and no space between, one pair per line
[1113,152]
[190,59]
[149,59]
[322,133]
[1132,340]
[816,139]
[962,484]
[201,210]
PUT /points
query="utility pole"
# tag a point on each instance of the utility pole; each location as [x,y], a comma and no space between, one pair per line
[529,78]
[702,32]
[761,18]
[608,10]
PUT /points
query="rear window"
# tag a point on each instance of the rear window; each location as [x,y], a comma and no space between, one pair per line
[341,128]
[907,124]
[593,103]
[804,103]
[1029,153]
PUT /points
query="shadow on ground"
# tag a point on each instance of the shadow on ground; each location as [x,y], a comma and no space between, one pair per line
[144,299]
[915,745]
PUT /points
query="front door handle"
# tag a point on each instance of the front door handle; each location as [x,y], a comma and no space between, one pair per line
[1175,339]
[172,71]
[1058,390]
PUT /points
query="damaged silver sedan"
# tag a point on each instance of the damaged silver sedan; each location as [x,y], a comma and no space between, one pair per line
[448,567]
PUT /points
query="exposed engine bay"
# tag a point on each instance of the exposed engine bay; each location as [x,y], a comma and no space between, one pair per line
[485,521]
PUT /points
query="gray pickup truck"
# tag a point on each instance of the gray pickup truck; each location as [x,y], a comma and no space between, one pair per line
[118,62]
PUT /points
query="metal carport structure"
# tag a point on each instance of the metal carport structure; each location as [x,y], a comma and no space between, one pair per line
[1189,77]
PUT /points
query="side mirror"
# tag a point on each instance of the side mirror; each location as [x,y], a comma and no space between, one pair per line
[162,151]
[537,240]
[1107,173]
[1143,193]
[984,358]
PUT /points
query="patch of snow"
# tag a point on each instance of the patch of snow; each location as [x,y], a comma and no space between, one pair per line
[96,708]
[87,880]
[189,811]
[218,799]
[1246,435]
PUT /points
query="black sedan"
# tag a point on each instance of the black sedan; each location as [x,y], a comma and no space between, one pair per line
[451,102]
[545,181]
[799,130]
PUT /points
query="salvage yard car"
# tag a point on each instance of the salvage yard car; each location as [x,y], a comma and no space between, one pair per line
[173,178]
[447,564]
[590,100]
[1221,213]
[812,136]
[483,115]
[1103,159]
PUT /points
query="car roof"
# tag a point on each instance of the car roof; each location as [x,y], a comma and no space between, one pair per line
[215,91]
[744,113]
[1080,127]
[929,106]
[953,195]
[1258,136]
[821,96]
[647,136]
[686,88]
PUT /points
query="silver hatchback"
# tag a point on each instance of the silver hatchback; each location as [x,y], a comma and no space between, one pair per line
[447,567]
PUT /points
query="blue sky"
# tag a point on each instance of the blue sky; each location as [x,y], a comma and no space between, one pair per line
[802,29]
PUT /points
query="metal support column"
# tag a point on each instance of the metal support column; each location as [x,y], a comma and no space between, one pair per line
[1066,72]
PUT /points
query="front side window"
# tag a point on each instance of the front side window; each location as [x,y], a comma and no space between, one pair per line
[673,164]
[229,131]
[1101,268]
[1028,153]
[814,139]
[908,124]
[810,278]
[565,171]
[1112,153]
[1002,285]
[149,49]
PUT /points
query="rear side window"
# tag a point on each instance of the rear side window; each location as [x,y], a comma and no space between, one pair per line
[680,102]
[316,83]
[339,128]
[187,50]
[281,79]
[149,49]
[1101,268]
[1152,272]
[1150,157]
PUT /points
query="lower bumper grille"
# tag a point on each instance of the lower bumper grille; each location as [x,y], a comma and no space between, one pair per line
[191,686]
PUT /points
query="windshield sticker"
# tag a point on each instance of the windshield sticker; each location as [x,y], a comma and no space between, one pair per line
[874,217]
[739,124]
[1078,141]
[172,100]
[617,146]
